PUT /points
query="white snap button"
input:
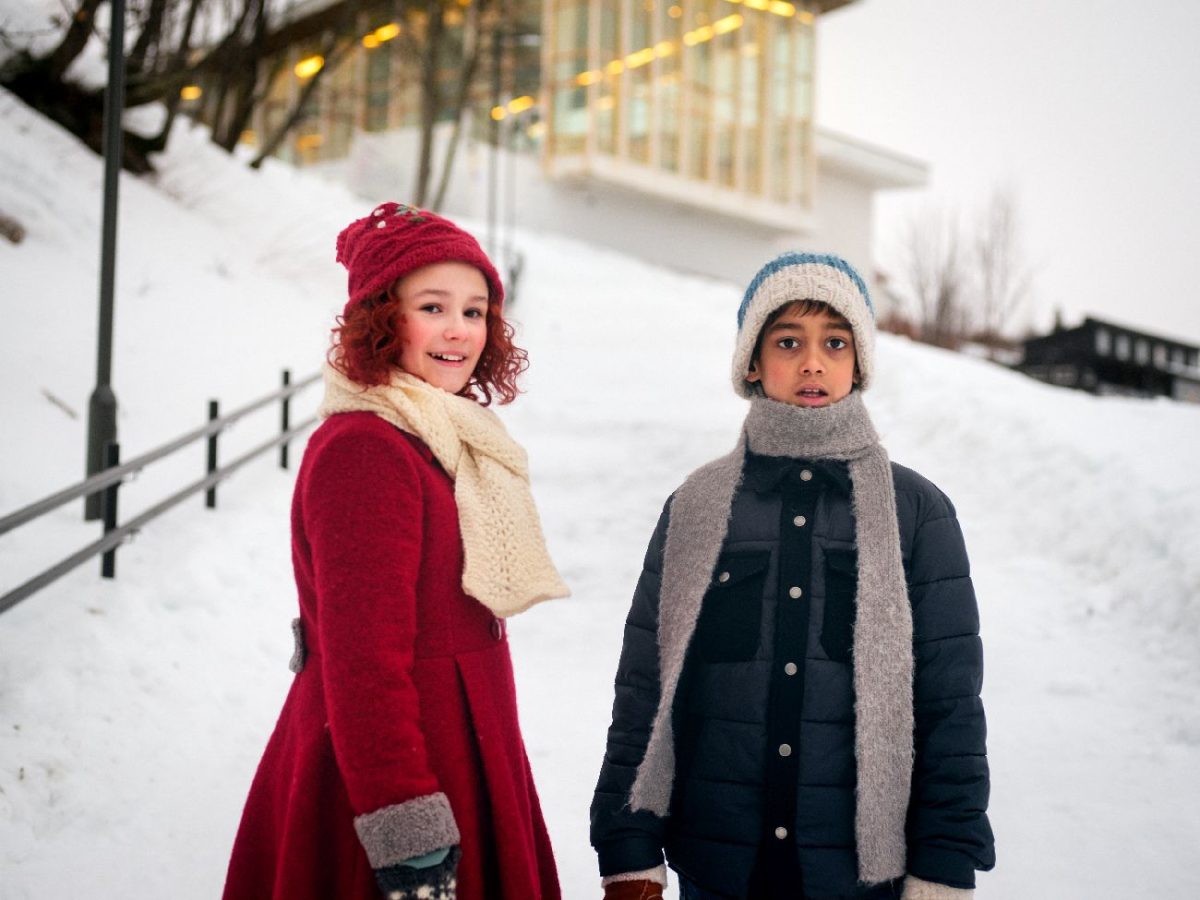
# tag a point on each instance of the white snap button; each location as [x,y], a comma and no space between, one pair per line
[790,668]
[781,832]
[806,475]
[799,521]
[723,577]
[785,749]
[794,593]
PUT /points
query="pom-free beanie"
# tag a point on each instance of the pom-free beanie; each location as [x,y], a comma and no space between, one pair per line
[804,276]
[395,240]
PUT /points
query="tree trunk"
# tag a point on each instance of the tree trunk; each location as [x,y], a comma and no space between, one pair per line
[73,41]
[333,52]
[149,36]
[158,143]
[431,101]
[471,52]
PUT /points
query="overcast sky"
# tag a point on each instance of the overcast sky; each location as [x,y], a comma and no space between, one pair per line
[1090,108]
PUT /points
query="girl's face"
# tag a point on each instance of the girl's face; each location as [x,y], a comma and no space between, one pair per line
[442,323]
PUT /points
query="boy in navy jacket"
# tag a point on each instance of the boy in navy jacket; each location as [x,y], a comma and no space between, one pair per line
[797,707]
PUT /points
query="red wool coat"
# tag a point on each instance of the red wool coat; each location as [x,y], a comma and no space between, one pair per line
[406,691]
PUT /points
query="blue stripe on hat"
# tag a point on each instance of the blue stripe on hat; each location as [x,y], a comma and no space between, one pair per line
[789,259]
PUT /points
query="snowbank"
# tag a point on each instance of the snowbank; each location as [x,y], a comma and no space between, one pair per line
[132,712]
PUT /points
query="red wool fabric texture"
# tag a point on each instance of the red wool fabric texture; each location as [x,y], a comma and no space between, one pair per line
[395,240]
[407,688]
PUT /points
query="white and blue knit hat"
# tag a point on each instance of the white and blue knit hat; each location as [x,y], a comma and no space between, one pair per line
[804,276]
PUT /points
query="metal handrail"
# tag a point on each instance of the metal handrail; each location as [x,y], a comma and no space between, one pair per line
[101,480]
[120,535]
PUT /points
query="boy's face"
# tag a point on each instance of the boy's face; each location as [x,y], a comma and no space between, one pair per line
[806,359]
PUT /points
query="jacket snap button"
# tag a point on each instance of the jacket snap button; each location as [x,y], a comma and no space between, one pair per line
[497,629]
[794,593]
[781,832]
[723,577]
[806,475]
[785,749]
[790,668]
[799,521]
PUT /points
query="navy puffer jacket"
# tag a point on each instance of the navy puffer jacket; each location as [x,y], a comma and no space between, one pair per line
[759,724]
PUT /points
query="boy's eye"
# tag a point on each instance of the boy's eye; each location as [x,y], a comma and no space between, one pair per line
[789,343]
[837,343]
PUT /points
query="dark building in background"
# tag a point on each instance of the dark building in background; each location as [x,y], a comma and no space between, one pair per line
[1104,358]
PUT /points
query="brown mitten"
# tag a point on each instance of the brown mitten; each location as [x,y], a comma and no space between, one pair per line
[641,889]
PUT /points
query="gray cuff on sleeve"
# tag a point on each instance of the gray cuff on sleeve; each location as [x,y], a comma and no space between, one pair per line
[918,889]
[402,831]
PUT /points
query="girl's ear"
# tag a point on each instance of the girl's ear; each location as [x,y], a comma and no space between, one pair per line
[752,376]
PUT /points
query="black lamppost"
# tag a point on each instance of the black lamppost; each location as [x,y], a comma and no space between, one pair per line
[102,406]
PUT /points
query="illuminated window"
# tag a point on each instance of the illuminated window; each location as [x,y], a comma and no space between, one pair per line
[715,91]
[1103,341]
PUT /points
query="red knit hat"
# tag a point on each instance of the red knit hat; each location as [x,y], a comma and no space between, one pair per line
[395,240]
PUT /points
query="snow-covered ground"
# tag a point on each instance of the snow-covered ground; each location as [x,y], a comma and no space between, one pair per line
[133,712]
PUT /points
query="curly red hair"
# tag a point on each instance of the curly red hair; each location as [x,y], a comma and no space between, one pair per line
[366,348]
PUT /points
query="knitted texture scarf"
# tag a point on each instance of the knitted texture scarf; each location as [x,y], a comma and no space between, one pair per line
[506,565]
[883,662]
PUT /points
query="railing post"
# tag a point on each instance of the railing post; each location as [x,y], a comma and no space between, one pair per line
[210,496]
[108,509]
[284,419]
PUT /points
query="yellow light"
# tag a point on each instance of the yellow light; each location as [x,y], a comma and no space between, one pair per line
[675,12]
[664,48]
[370,41]
[498,113]
[639,59]
[536,130]
[604,104]
[583,79]
[616,67]
[190,92]
[806,17]
[728,24]
[309,142]
[690,39]
[386,32]
[310,66]
[454,17]
[782,9]
[520,104]
[758,4]
[248,137]
[750,50]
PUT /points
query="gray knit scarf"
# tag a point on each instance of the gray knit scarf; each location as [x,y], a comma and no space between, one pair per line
[883,662]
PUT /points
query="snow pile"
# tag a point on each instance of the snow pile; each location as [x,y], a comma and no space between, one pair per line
[132,713]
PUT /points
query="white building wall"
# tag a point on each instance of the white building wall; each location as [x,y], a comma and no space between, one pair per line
[382,166]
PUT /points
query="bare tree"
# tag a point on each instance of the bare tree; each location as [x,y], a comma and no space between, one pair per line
[935,272]
[1004,280]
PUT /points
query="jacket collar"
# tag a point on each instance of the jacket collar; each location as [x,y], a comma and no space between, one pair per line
[769,474]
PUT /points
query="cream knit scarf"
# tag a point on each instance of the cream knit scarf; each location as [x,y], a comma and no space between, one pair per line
[883,662]
[506,565]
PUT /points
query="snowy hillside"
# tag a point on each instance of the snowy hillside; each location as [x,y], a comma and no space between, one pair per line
[133,712]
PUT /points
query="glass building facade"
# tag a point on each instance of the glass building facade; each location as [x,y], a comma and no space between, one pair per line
[709,92]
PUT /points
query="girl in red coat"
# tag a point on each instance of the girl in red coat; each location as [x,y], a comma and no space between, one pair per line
[397,764]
